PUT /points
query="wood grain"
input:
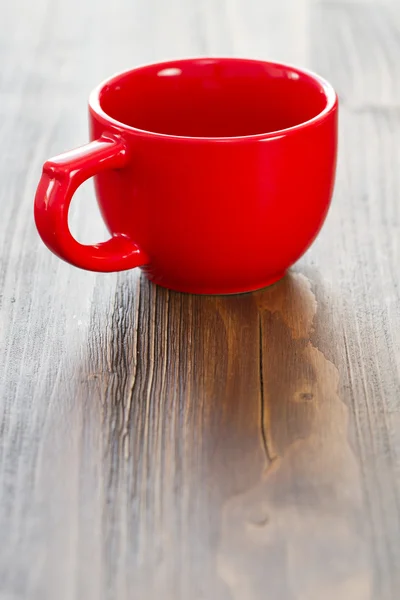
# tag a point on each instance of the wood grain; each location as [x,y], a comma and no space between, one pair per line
[155,444]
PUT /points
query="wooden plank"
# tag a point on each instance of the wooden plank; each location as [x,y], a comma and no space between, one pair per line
[159,444]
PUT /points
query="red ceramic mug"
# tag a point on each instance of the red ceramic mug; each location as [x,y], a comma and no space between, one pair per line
[212,175]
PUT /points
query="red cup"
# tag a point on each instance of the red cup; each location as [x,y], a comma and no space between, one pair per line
[212,175]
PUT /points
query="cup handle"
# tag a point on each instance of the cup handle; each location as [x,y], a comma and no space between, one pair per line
[60,179]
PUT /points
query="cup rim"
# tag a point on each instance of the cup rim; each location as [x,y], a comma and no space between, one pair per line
[330,107]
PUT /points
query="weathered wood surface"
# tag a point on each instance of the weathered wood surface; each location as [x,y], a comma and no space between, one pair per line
[158,445]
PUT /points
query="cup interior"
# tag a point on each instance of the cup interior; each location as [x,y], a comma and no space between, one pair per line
[214,98]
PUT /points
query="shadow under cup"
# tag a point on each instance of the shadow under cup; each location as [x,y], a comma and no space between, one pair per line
[208,98]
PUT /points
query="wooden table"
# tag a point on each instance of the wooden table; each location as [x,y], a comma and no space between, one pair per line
[158,445]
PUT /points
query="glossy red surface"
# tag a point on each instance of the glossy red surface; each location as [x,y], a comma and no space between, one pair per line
[213,175]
